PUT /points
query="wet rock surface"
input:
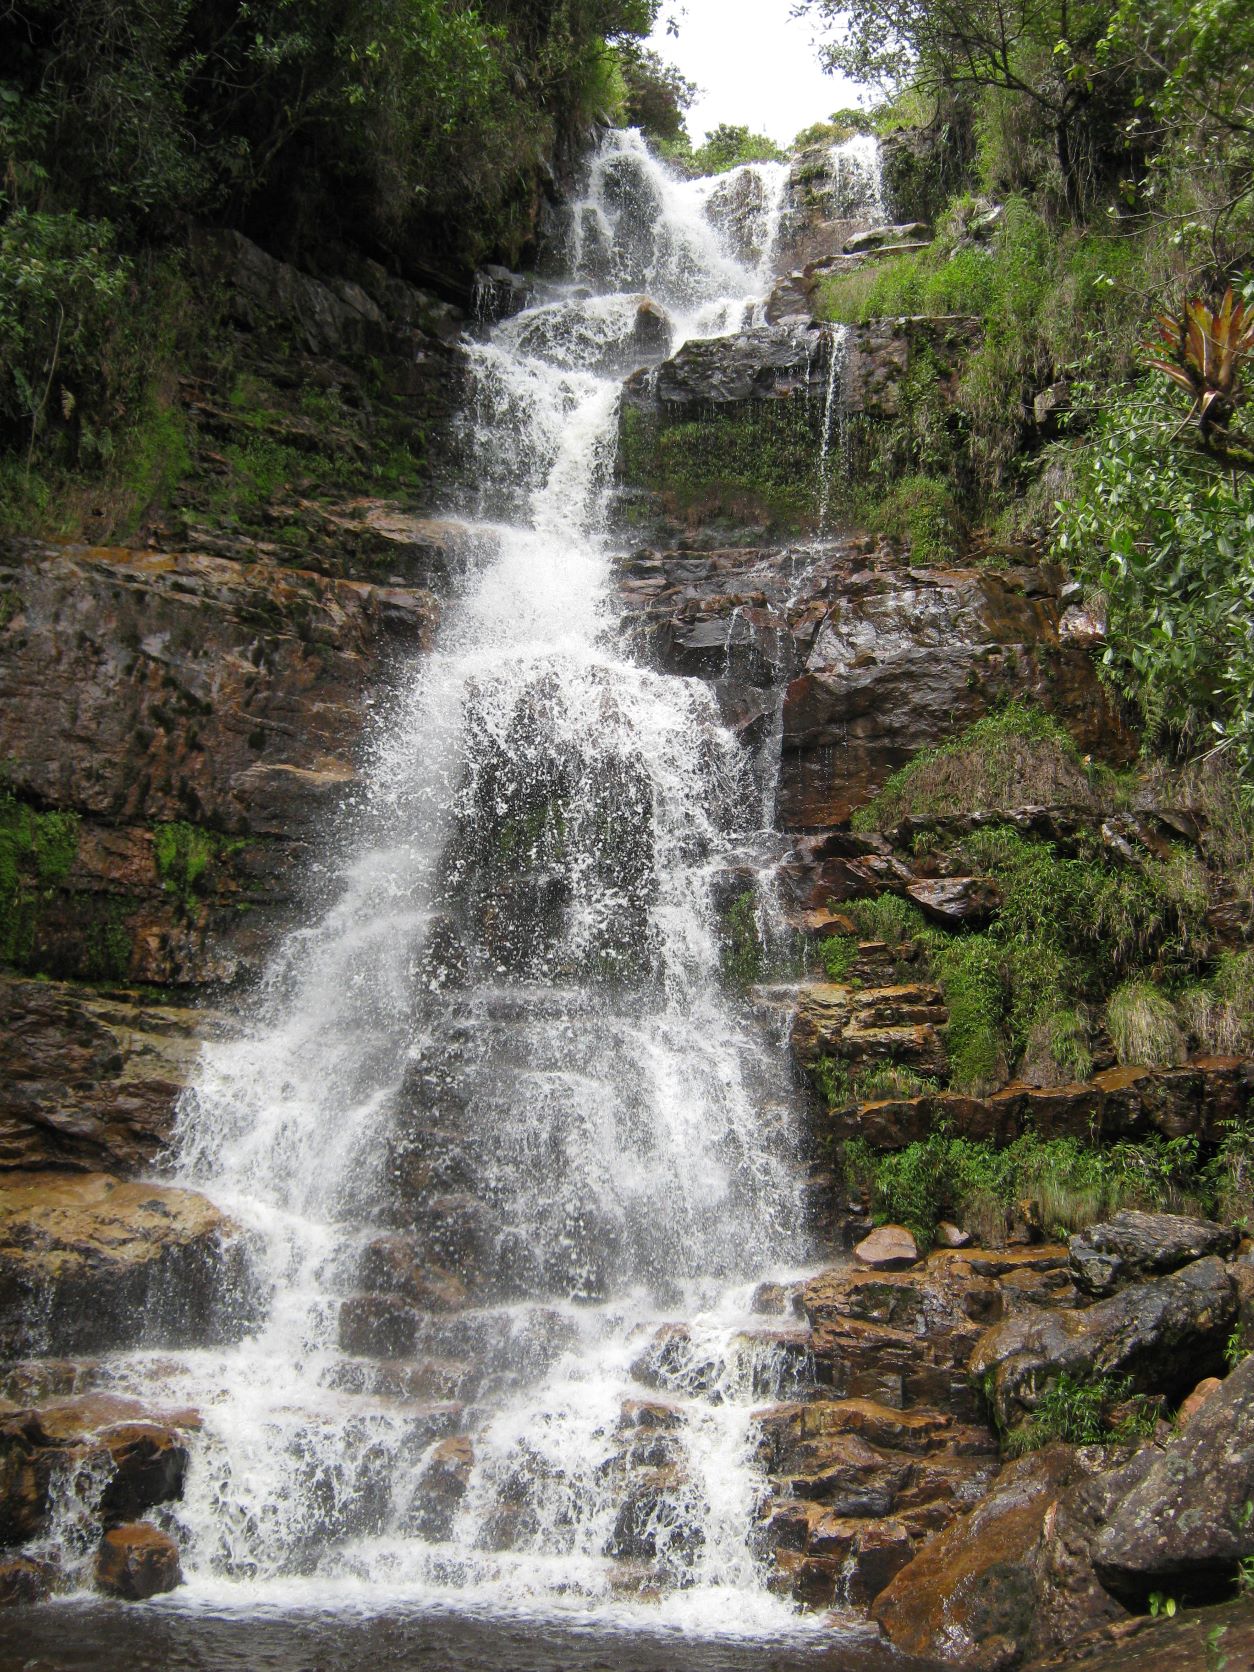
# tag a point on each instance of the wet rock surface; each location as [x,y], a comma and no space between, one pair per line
[1183,1527]
[137,1562]
[88,1261]
[89,1080]
[878,660]
[1162,1336]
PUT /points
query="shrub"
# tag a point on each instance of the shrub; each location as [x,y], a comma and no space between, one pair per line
[1143,1026]
[970,972]
[1220,1015]
[61,285]
[1164,533]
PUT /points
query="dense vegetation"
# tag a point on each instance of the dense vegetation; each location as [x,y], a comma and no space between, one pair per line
[1105,175]
[417,133]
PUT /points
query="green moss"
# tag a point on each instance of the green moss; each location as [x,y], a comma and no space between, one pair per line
[744,951]
[183,856]
[37,853]
[761,462]
[922,512]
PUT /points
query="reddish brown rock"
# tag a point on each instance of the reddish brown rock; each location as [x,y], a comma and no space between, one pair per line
[956,902]
[141,689]
[137,1562]
[136,1456]
[1190,1406]
[26,1579]
[970,1592]
[88,1262]
[888,1248]
[89,1080]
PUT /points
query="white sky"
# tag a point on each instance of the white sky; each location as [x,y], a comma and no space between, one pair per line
[754,63]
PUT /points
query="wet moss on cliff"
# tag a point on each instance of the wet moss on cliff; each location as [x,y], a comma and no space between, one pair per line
[759,464]
[37,853]
[184,856]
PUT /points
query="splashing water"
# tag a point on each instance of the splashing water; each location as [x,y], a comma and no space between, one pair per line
[495,1124]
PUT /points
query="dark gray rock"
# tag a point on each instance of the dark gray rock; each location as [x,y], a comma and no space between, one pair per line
[1135,1245]
[1187,1523]
[956,901]
[1162,1336]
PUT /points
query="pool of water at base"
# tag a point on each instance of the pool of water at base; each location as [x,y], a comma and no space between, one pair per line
[86,1636]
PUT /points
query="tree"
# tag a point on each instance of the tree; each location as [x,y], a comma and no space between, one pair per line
[657,94]
[1056,54]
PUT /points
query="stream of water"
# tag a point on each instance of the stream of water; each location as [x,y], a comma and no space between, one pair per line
[513,1161]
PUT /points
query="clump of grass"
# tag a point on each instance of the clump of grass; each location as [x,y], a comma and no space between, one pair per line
[1078,1411]
[888,918]
[1144,1031]
[1220,1014]
[1012,758]
[1057,1051]
[893,1080]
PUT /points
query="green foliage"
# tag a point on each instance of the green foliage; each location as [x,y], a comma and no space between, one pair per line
[831,1080]
[1168,538]
[657,95]
[1220,1013]
[894,1080]
[61,283]
[921,511]
[970,970]
[1013,757]
[393,121]
[37,853]
[837,956]
[729,145]
[1063,1183]
[888,918]
[1077,1411]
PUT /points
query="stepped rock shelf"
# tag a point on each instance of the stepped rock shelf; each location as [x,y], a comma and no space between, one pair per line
[436,1010]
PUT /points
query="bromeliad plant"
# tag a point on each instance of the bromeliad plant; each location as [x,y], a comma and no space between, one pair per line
[1205,356]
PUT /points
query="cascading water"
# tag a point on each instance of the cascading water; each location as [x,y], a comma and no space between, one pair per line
[512,1162]
[857,179]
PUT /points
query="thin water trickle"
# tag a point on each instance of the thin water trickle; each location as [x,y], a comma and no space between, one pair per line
[494,1123]
[857,179]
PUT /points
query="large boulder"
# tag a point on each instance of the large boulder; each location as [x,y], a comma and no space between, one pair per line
[1136,1245]
[89,1263]
[969,1598]
[137,1562]
[1187,1524]
[1162,1336]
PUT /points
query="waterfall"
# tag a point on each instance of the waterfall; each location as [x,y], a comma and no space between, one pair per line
[857,182]
[513,1159]
[833,419]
